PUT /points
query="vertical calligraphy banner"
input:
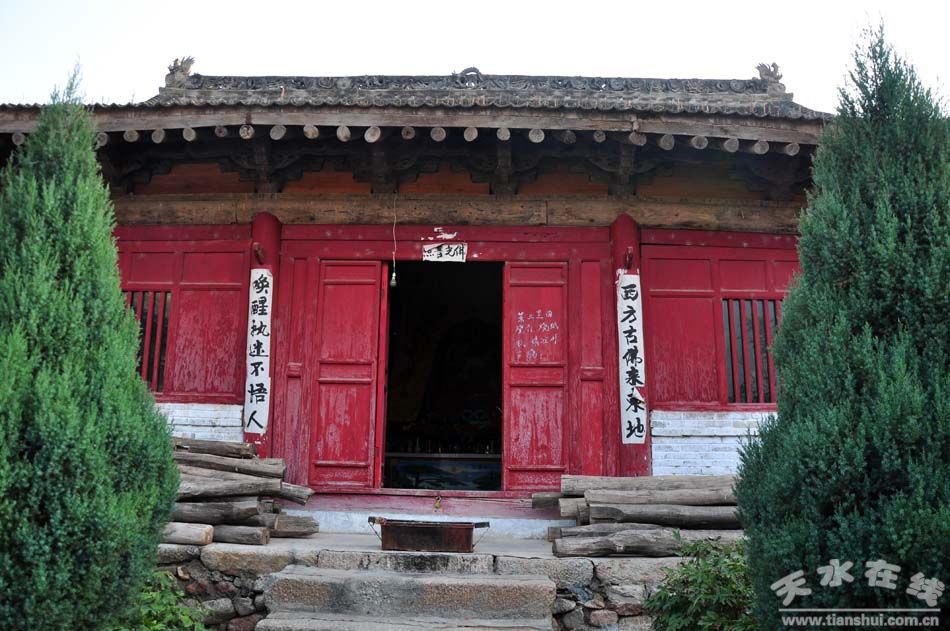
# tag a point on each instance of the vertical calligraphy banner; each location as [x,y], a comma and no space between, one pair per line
[633,405]
[258,387]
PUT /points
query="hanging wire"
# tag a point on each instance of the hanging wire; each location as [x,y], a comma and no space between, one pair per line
[392,279]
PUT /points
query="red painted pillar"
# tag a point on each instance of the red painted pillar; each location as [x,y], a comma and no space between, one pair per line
[631,459]
[265,253]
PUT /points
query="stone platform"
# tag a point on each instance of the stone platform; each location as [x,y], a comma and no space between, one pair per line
[321,582]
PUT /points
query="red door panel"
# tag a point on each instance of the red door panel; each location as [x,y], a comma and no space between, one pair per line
[535,391]
[346,368]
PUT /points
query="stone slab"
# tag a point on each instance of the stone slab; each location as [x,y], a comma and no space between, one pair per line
[564,572]
[330,622]
[390,561]
[633,570]
[171,553]
[367,593]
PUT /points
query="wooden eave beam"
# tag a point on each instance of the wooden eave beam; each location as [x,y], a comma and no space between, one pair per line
[743,128]
[702,214]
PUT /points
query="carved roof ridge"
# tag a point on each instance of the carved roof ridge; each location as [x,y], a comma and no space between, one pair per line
[762,96]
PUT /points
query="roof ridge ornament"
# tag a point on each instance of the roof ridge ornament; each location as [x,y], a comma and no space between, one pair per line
[468,78]
[178,72]
[773,78]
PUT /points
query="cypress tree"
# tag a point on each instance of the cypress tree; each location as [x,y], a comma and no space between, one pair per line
[86,476]
[856,465]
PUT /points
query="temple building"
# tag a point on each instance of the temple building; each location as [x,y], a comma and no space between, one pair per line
[460,286]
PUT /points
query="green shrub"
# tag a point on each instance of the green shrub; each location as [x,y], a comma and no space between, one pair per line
[160,608]
[709,591]
[856,466]
[86,476]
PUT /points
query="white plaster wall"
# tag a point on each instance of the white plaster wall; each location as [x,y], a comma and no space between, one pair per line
[207,421]
[699,443]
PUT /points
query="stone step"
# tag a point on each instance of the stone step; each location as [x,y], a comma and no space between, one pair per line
[302,621]
[372,593]
[414,562]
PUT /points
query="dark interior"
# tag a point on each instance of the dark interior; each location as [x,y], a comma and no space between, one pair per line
[443,420]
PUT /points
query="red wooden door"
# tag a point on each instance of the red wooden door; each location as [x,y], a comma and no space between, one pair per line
[346,374]
[535,375]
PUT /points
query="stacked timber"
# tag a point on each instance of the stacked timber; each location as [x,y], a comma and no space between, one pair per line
[642,516]
[227,494]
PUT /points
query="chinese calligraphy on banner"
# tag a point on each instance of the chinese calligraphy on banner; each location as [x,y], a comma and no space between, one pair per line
[445,252]
[633,406]
[260,307]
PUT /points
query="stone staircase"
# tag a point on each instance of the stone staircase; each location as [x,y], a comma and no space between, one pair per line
[405,592]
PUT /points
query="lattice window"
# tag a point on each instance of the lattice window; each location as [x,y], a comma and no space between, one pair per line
[151,309]
[749,326]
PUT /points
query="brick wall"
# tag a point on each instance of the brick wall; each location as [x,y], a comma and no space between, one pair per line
[207,421]
[699,443]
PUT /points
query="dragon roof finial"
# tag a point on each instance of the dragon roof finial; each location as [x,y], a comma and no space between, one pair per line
[178,72]
[771,75]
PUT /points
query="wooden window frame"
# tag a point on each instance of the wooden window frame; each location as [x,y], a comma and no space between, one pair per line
[715,247]
[179,241]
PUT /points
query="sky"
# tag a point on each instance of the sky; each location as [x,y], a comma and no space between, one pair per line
[124,47]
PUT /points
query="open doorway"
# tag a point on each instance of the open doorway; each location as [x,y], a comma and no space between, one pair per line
[444,388]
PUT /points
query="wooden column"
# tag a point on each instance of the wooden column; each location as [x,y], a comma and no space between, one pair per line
[265,253]
[625,259]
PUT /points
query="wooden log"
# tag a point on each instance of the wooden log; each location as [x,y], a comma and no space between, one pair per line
[264,520]
[277,131]
[730,145]
[699,142]
[602,529]
[760,147]
[599,136]
[438,134]
[246,132]
[569,505]
[293,492]
[102,139]
[503,134]
[295,526]
[189,134]
[188,534]
[130,135]
[221,131]
[721,517]
[372,134]
[248,535]
[791,149]
[470,134]
[343,133]
[195,483]
[311,132]
[215,512]
[577,485]
[712,496]
[158,136]
[215,447]
[536,135]
[666,142]
[270,506]
[265,467]
[644,543]
[583,514]
[546,499]
[407,132]
[18,138]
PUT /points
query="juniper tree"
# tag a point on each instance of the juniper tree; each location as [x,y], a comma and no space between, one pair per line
[86,476]
[856,465]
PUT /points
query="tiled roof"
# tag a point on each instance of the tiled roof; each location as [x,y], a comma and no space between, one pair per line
[763,97]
